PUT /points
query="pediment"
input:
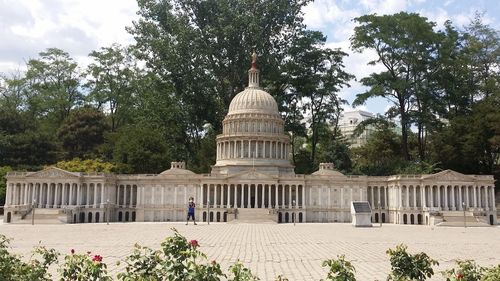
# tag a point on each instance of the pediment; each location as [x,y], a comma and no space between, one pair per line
[252,175]
[53,172]
[449,175]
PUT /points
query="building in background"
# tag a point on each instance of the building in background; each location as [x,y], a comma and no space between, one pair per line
[348,122]
[252,180]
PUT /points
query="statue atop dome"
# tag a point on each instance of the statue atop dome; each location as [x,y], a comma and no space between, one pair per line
[253,73]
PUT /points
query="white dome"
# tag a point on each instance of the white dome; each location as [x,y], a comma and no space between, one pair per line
[253,100]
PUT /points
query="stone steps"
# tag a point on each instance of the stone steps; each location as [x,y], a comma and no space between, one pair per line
[457,219]
[44,216]
[255,216]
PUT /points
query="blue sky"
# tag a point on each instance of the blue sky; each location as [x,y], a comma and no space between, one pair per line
[80,26]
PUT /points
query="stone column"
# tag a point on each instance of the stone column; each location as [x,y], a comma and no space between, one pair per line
[453,207]
[492,197]
[303,201]
[446,197]
[414,193]
[263,199]
[486,201]
[439,195]
[256,149]
[95,195]
[223,195]
[228,202]
[283,187]
[467,200]
[407,196]
[460,206]
[40,195]
[423,194]
[249,196]
[242,195]
[104,197]
[215,195]
[49,195]
[264,149]
[235,190]
[475,196]
[276,196]
[125,197]
[290,196]
[269,205]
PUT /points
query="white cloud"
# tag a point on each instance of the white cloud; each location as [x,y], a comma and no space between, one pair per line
[384,7]
[28,27]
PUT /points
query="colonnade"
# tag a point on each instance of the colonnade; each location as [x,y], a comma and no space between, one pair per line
[54,195]
[231,149]
[378,196]
[253,195]
[126,195]
[238,126]
[447,198]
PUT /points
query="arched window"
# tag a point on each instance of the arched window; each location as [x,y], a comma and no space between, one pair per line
[89,217]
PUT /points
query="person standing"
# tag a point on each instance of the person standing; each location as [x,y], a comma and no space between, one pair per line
[191,207]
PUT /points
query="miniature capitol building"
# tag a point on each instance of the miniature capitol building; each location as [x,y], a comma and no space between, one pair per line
[252,180]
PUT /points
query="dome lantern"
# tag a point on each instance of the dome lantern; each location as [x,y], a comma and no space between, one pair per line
[253,73]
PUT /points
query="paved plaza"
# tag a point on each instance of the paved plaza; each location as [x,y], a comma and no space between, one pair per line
[271,249]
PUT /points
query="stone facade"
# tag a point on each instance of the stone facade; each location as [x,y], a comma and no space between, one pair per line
[252,171]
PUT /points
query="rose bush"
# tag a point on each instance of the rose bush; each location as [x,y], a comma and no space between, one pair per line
[179,259]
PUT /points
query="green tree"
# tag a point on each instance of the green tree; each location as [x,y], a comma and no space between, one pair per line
[317,76]
[381,154]
[142,148]
[406,45]
[82,132]
[112,78]
[3,183]
[199,50]
[54,85]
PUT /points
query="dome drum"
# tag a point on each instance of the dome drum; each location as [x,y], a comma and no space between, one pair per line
[253,133]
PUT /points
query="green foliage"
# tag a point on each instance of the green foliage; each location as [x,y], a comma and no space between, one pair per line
[406,267]
[406,44]
[380,155]
[491,273]
[142,148]
[467,270]
[3,183]
[54,82]
[12,268]
[113,75]
[316,76]
[82,132]
[83,267]
[87,166]
[339,269]
[240,273]
[177,260]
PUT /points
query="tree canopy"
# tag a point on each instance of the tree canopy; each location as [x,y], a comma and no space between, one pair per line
[163,98]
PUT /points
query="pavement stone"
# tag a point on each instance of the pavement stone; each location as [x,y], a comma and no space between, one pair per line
[270,250]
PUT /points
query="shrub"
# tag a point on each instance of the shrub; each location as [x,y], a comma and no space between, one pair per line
[83,267]
[13,268]
[241,273]
[405,267]
[340,269]
[178,260]
[467,270]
